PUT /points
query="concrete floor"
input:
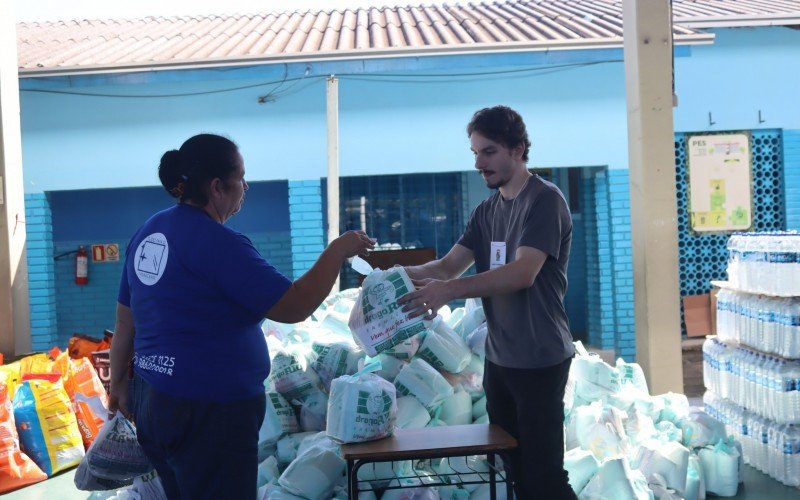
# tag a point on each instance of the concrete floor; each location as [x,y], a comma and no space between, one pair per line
[757,486]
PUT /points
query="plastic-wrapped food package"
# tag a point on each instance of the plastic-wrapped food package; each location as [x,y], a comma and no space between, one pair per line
[639,427]
[16,468]
[287,446]
[406,349]
[600,430]
[422,381]
[595,379]
[469,379]
[616,480]
[268,471]
[667,431]
[291,374]
[668,460]
[377,320]
[695,482]
[411,414]
[476,340]
[333,358]
[443,349]
[314,411]
[473,316]
[581,467]
[279,419]
[479,408]
[720,469]
[676,406]
[361,407]
[632,374]
[700,429]
[390,366]
[457,409]
[315,472]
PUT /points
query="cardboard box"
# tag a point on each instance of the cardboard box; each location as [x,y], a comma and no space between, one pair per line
[697,315]
[713,307]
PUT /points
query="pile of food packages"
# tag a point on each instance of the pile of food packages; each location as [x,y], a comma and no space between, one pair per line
[358,369]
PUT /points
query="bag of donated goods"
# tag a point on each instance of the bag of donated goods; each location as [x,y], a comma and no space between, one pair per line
[332,357]
[421,380]
[16,468]
[315,472]
[361,407]
[377,320]
[46,425]
[443,348]
[279,419]
[291,374]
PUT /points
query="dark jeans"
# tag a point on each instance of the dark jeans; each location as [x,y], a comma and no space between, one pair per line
[529,405]
[199,449]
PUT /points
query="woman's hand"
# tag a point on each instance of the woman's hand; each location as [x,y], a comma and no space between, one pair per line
[353,243]
[118,399]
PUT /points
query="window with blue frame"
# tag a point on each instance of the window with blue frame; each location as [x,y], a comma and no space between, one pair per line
[403,211]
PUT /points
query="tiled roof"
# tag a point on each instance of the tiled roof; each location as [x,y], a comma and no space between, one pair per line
[125,45]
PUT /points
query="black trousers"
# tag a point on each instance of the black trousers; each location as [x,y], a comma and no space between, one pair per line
[201,450]
[529,405]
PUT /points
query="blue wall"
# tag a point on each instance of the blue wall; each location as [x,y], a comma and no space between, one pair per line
[791,178]
[60,308]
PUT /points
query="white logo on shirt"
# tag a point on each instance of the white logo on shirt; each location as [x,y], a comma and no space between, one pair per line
[150,259]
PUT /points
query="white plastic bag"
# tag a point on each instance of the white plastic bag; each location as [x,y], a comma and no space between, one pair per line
[421,380]
[268,471]
[361,407]
[720,469]
[695,482]
[668,460]
[411,414]
[377,320]
[476,340]
[333,358]
[457,409]
[315,472]
[700,429]
[291,374]
[406,349]
[114,455]
[287,446]
[600,430]
[632,374]
[615,480]
[443,349]
[581,467]
[279,419]
[314,411]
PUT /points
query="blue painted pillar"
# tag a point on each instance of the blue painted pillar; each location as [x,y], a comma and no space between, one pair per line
[622,258]
[305,220]
[41,272]
[791,177]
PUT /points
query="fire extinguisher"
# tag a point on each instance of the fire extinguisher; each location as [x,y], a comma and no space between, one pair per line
[81,266]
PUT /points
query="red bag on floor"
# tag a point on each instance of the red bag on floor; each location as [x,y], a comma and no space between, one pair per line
[16,468]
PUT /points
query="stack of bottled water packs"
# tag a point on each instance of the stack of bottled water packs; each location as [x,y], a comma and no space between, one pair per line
[621,442]
[752,368]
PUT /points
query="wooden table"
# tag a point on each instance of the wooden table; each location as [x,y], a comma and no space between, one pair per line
[431,443]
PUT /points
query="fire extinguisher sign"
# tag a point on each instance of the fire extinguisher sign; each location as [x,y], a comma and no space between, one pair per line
[105,252]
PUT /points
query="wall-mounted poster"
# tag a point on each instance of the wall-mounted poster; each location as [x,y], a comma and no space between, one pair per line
[720,183]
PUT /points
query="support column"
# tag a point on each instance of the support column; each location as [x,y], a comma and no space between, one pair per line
[14,314]
[648,76]
[332,94]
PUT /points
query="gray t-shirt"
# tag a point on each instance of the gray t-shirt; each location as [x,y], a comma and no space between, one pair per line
[527,328]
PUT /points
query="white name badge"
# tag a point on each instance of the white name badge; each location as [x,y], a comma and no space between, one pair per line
[497,254]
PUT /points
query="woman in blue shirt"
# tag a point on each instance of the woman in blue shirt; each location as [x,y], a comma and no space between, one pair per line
[192,297]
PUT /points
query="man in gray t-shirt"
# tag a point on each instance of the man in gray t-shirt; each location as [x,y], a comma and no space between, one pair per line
[519,240]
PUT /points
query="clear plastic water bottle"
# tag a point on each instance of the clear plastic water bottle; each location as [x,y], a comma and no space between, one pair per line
[791,338]
[734,255]
[791,456]
[774,450]
[707,376]
[792,401]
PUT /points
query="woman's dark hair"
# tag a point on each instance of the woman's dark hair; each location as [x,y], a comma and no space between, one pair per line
[186,172]
[501,124]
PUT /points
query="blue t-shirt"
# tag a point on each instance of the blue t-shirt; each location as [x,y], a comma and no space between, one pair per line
[198,291]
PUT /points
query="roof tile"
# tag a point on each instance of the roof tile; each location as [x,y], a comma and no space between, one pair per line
[78,45]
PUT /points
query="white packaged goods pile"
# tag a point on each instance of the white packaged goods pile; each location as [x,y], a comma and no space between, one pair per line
[621,442]
[751,368]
